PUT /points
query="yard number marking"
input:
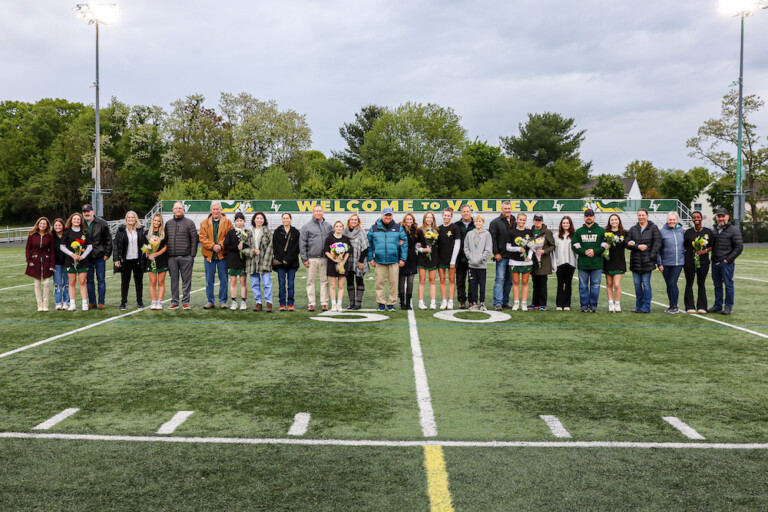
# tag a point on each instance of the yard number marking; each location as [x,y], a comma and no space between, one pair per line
[349,317]
[493,316]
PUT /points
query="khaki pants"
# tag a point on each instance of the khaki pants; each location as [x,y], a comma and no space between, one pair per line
[384,273]
[42,291]
[317,266]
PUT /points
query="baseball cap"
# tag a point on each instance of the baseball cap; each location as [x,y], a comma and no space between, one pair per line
[87,208]
[387,211]
[721,211]
[538,216]
[589,213]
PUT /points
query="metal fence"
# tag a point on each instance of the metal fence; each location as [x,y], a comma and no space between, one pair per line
[13,235]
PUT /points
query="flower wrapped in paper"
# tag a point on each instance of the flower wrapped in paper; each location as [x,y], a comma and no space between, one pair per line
[147,249]
[699,244]
[612,239]
[538,245]
[338,250]
[242,236]
[430,235]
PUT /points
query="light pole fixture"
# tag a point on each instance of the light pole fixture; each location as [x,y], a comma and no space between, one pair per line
[96,14]
[741,9]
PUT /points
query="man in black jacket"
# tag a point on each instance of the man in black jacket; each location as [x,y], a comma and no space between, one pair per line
[728,246]
[465,224]
[101,240]
[499,230]
[181,240]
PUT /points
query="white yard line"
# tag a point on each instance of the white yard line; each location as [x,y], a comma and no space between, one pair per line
[753,261]
[81,329]
[395,444]
[554,424]
[708,318]
[170,427]
[426,413]
[66,413]
[18,265]
[683,427]
[300,424]
[17,286]
[751,279]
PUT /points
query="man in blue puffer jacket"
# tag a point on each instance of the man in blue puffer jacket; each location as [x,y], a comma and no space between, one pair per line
[671,258]
[387,251]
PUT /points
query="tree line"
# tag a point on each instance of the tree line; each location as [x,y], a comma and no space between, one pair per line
[244,147]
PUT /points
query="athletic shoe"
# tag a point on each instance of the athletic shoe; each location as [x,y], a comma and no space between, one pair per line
[173,306]
[515,306]
[58,307]
[186,306]
[123,307]
[444,304]
[472,307]
[209,306]
[450,304]
[72,307]
[671,310]
[542,308]
[584,309]
[506,306]
[533,307]
[482,307]
[233,307]
[324,307]
[714,309]
[616,307]
[497,308]
[524,306]
[222,305]
[559,308]
[243,306]
[422,305]
[291,308]
[310,308]
[282,307]
[85,306]
[391,309]
[159,305]
[433,305]
[139,306]
[462,304]
[567,308]
[593,310]
[610,307]
[726,310]
[381,307]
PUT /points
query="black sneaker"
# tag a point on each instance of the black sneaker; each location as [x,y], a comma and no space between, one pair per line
[123,307]
[714,309]
[726,311]
[584,309]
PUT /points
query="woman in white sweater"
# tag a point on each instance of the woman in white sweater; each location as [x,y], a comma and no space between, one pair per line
[565,263]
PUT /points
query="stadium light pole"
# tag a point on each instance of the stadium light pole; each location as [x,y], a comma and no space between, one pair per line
[741,9]
[96,14]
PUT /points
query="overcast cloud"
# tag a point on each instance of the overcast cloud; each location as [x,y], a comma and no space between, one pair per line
[640,77]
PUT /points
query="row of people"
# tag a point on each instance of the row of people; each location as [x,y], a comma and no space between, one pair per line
[341,255]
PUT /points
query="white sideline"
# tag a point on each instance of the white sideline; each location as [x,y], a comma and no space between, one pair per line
[17,265]
[751,279]
[81,329]
[683,427]
[300,424]
[554,424]
[170,426]
[395,444]
[66,413]
[426,413]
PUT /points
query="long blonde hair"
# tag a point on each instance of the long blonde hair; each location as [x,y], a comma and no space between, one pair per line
[359,222]
[138,222]
[161,230]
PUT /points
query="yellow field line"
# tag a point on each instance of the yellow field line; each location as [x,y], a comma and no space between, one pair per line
[437,480]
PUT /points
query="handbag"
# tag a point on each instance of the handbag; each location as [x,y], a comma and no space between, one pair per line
[276,262]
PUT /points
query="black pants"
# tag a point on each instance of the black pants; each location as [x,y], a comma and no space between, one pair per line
[564,281]
[476,280]
[405,285]
[355,282]
[462,268]
[701,282]
[128,268]
[539,298]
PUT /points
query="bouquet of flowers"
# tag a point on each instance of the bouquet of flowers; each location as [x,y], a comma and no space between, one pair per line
[337,251]
[611,239]
[538,245]
[242,236]
[524,243]
[699,243]
[147,249]
[78,247]
[430,235]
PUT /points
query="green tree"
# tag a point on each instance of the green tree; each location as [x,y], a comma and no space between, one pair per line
[648,177]
[242,190]
[189,189]
[406,188]
[716,142]
[354,135]
[313,189]
[720,193]
[685,186]
[486,161]
[546,138]
[362,184]
[274,184]
[522,178]
[422,141]
[608,187]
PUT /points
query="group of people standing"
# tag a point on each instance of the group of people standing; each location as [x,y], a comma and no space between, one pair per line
[340,255]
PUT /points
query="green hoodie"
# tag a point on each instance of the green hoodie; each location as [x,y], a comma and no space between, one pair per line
[589,238]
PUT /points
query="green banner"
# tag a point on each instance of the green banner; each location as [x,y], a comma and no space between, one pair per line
[425,205]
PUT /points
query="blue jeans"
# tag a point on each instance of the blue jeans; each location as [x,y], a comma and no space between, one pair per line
[722,274]
[99,266]
[643,292]
[589,287]
[256,281]
[671,273]
[60,285]
[282,273]
[503,283]
[211,267]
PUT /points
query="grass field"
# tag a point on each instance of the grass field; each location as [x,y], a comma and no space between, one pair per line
[466,434]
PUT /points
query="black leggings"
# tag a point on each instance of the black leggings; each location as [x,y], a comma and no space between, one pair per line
[564,282]
[405,285]
[128,267]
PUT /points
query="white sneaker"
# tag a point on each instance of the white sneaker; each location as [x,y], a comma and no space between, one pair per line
[72,307]
[58,307]
[610,306]
[482,307]
[233,307]
[159,305]
[617,307]
[450,304]
[524,306]
[243,305]
[474,307]
[567,308]
[559,308]
[444,304]
[85,306]
[516,306]
[433,305]
[422,305]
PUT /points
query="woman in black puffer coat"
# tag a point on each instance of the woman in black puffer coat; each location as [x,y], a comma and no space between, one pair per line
[644,242]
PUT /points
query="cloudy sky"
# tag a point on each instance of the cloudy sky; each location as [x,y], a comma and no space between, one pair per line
[639,76]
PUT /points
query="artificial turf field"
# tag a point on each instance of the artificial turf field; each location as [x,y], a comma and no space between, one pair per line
[375,441]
